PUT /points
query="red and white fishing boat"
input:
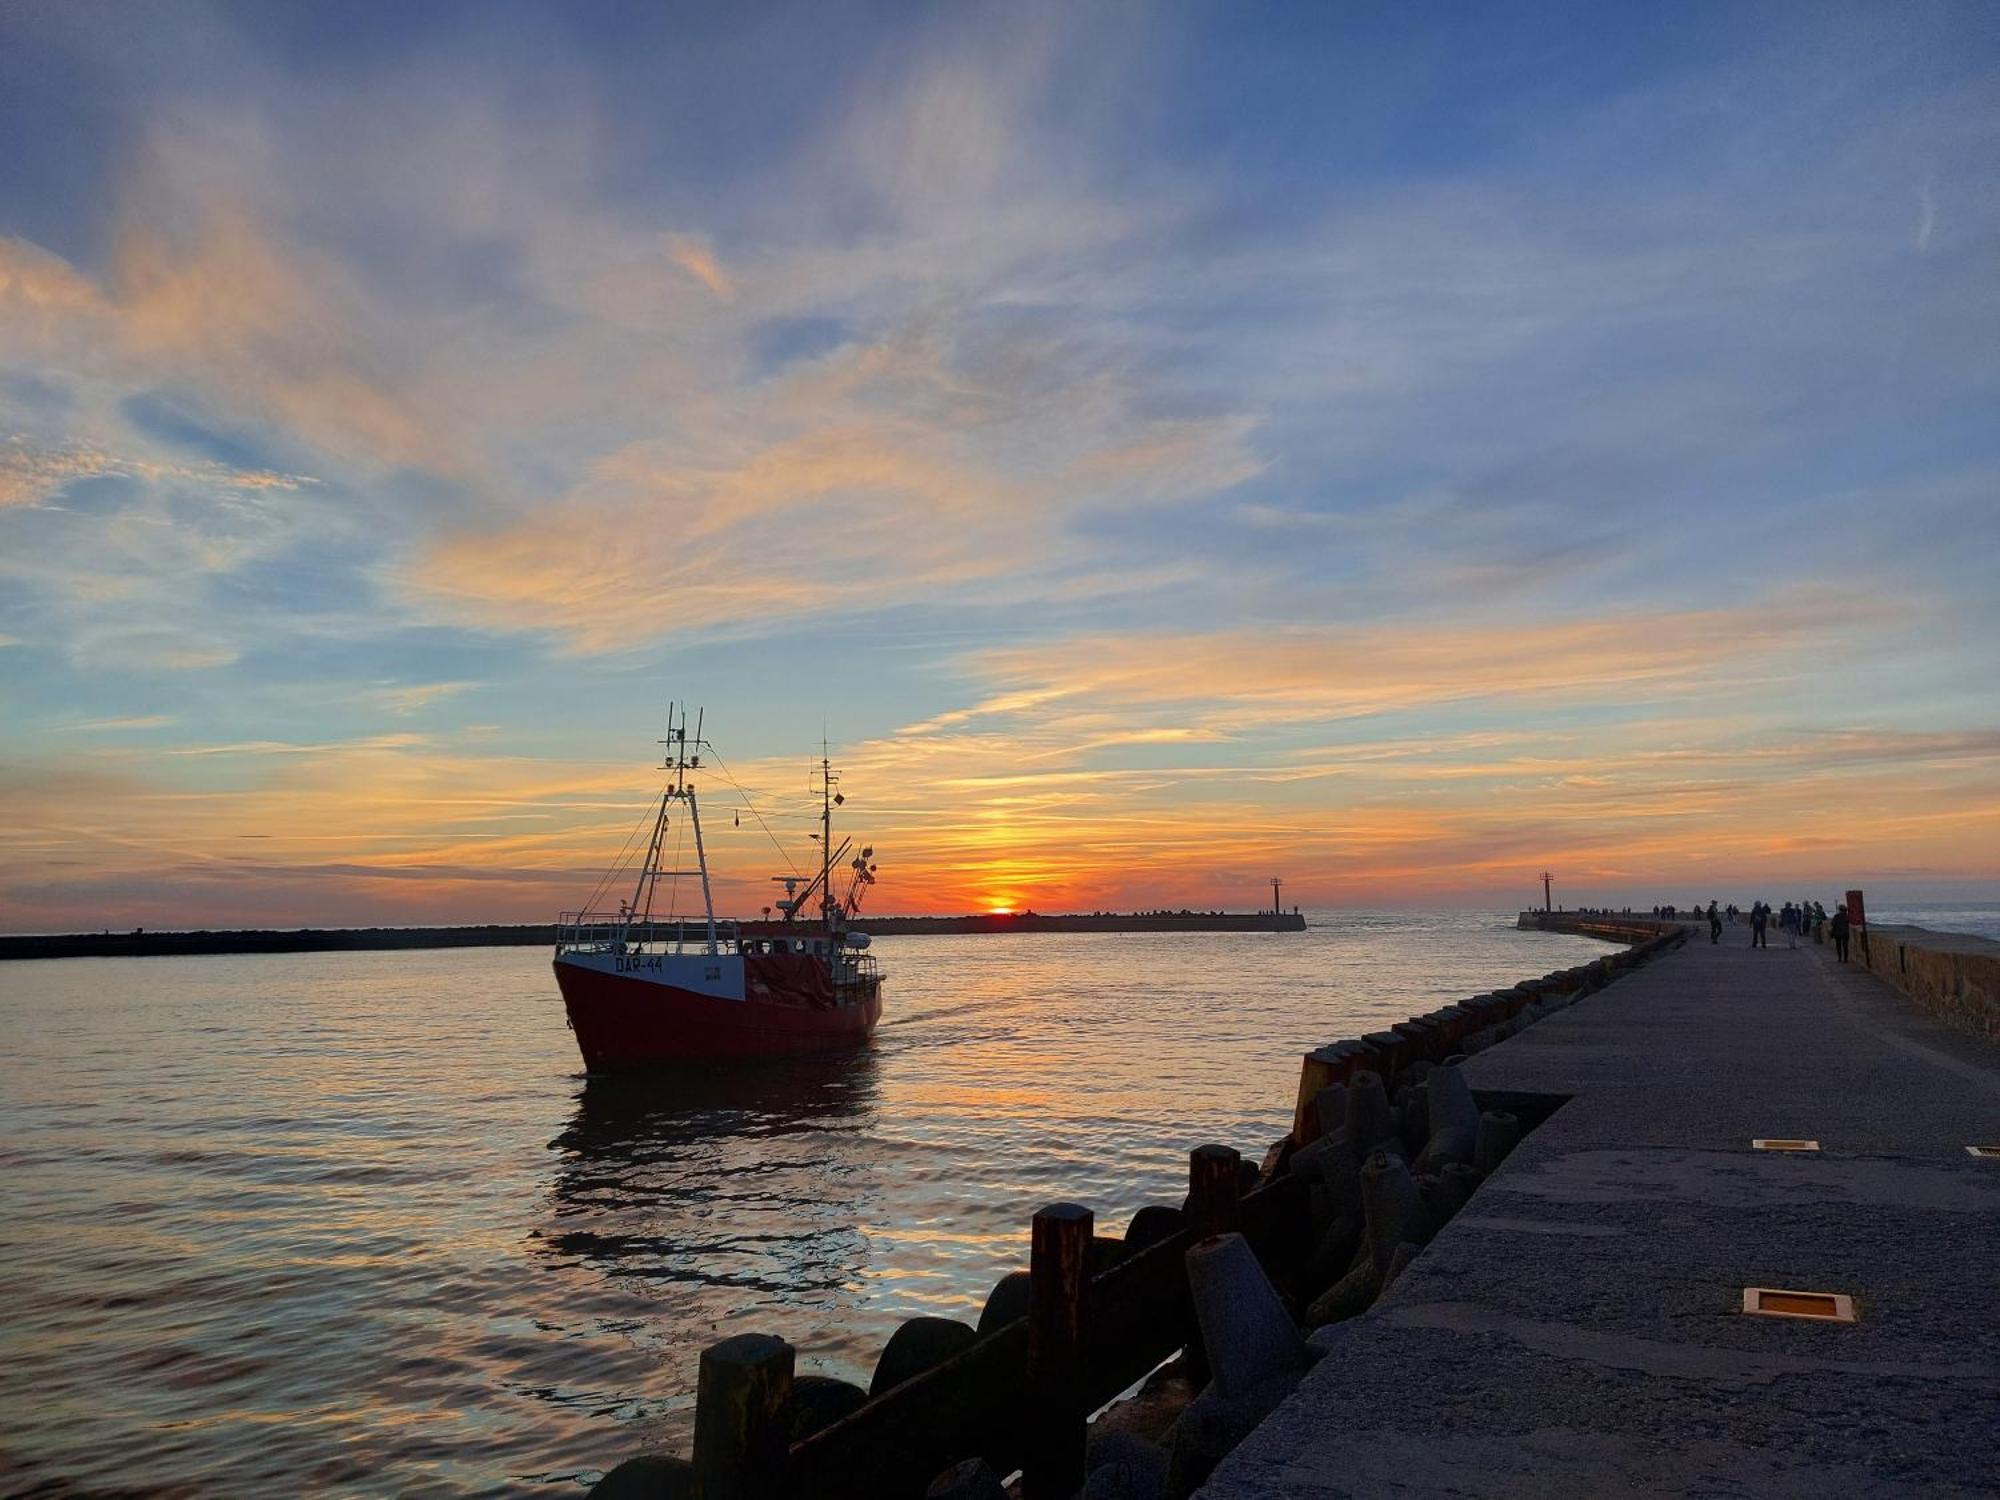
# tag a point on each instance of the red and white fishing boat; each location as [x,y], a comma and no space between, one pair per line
[642,992]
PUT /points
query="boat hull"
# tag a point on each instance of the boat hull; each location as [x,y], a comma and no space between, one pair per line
[624,1021]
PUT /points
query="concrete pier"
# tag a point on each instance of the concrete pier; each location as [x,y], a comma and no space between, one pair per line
[1578,1328]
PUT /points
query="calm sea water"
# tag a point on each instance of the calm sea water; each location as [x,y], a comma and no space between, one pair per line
[1980,919]
[353,1224]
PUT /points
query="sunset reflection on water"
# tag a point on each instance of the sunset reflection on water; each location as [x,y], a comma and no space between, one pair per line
[354,1223]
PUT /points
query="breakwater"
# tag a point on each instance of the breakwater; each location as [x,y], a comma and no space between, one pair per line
[1954,977]
[1750,1254]
[1387,1144]
[1611,927]
[140,943]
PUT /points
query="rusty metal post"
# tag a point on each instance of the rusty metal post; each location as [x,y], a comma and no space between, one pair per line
[1058,1318]
[743,1418]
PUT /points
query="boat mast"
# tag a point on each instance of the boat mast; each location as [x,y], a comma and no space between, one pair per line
[676,764]
[828,798]
[694,817]
[641,908]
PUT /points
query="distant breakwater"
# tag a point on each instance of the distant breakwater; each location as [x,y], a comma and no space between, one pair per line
[1610,926]
[140,943]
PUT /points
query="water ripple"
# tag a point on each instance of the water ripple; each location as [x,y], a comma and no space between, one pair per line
[312,1223]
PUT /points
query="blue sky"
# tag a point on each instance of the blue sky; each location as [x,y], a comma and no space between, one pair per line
[1404,446]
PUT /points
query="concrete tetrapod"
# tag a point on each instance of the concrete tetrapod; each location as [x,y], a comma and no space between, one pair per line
[1405,1253]
[916,1347]
[1007,1302]
[1339,1167]
[649,1477]
[1348,1297]
[1333,1252]
[973,1479]
[1414,1110]
[1151,1224]
[1121,1481]
[820,1401]
[1394,1210]
[1304,1162]
[1334,1211]
[1214,1423]
[1454,1117]
[1124,1466]
[1330,1108]
[1256,1356]
[1244,1327]
[1450,1190]
[1370,1118]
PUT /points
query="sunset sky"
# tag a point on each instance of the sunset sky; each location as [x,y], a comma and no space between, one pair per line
[1396,447]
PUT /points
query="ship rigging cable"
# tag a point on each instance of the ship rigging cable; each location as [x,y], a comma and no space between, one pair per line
[619,864]
[731,779]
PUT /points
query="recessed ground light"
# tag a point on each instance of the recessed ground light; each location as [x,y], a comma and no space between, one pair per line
[1991,1153]
[1819,1307]
[1777,1143]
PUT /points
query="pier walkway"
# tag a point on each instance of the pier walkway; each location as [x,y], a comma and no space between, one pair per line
[1577,1329]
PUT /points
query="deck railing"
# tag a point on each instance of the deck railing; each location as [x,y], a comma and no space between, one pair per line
[594,932]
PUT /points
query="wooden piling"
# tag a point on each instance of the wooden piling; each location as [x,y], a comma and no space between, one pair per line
[1058,1317]
[742,1418]
[1215,1187]
[1320,1067]
[1215,1183]
[1391,1051]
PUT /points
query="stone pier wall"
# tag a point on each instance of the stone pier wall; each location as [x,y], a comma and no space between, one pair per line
[1955,978]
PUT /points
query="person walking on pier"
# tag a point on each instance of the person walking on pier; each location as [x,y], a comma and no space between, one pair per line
[1714,923]
[1836,927]
[1760,919]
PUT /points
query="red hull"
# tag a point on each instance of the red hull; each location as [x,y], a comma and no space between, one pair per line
[623,1023]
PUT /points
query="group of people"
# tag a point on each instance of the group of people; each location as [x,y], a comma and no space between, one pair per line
[1796,919]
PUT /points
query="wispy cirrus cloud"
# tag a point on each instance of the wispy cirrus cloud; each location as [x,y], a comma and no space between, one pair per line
[412,697]
[124,722]
[1200,495]
[30,474]
[1314,672]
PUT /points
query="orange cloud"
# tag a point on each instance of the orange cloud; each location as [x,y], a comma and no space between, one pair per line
[213,297]
[1301,673]
[403,827]
[695,257]
[830,516]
